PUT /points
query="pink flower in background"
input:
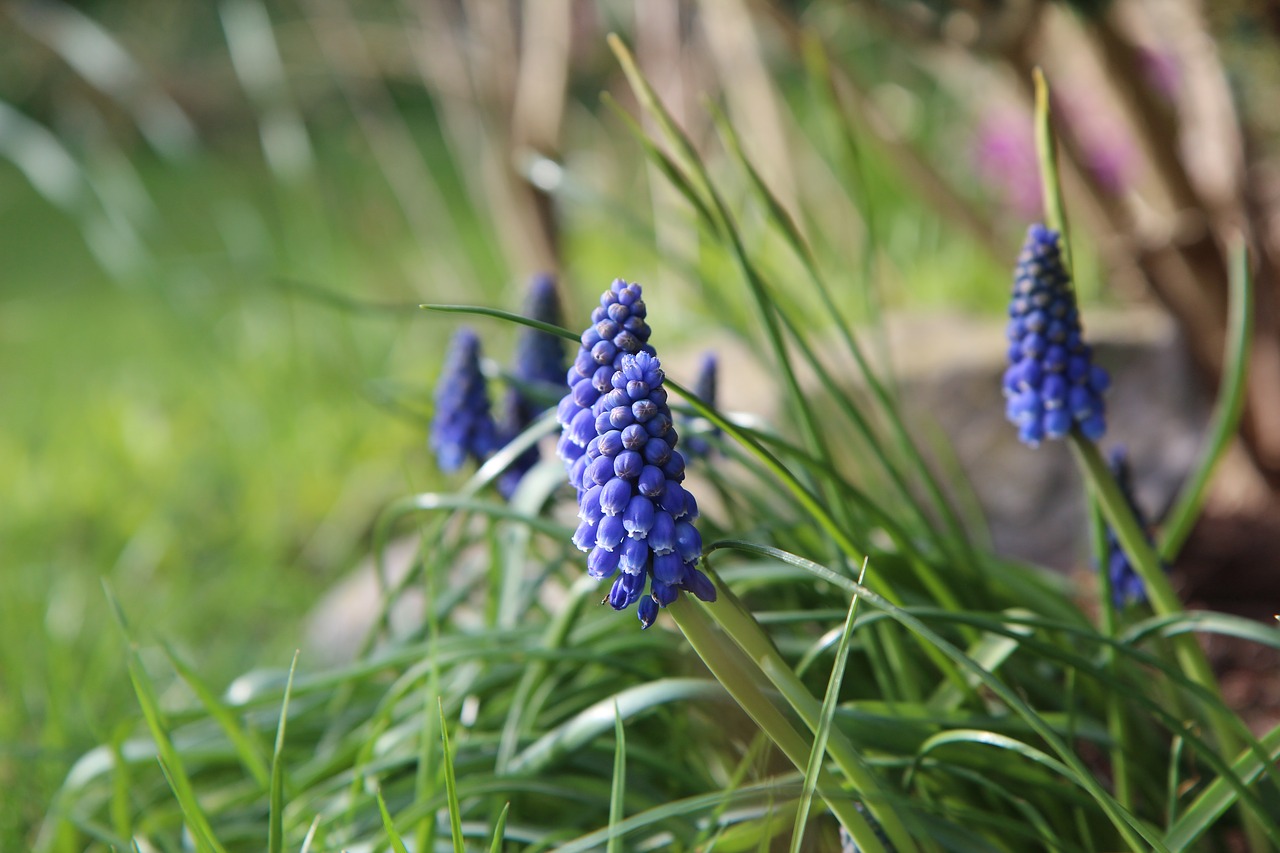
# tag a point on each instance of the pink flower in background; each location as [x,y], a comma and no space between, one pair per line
[1004,154]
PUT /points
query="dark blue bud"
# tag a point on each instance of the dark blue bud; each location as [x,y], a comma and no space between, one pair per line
[628,465]
[1094,426]
[674,467]
[637,390]
[589,339]
[662,536]
[583,428]
[1055,359]
[664,594]
[675,500]
[635,555]
[620,417]
[1057,423]
[668,568]
[699,584]
[577,470]
[638,517]
[688,542]
[651,482]
[603,353]
[635,436]
[1099,379]
[647,610]
[602,564]
[657,451]
[658,426]
[603,423]
[584,394]
[599,472]
[610,532]
[611,443]
[585,536]
[614,400]
[600,379]
[589,506]
[615,496]
[618,313]
[607,329]
[1054,393]
[627,342]
[643,410]
[1080,401]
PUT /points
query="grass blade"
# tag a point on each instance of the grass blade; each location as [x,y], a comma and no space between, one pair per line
[170,760]
[499,830]
[275,832]
[824,721]
[618,792]
[451,785]
[1227,411]
[397,843]
[246,748]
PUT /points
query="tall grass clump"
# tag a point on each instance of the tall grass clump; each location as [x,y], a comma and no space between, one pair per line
[851,663]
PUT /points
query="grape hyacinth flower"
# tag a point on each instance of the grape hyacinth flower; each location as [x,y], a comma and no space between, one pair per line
[538,362]
[1051,383]
[618,329]
[619,443]
[1126,583]
[462,425]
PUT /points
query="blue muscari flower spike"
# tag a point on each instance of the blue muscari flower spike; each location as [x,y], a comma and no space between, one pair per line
[538,361]
[619,445]
[462,425]
[1051,382]
[705,387]
[1126,583]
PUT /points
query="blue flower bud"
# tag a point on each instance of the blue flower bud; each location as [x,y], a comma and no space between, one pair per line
[638,517]
[601,563]
[651,482]
[634,437]
[628,465]
[589,509]
[698,584]
[585,536]
[620,417]
[611,443]
[688,542]
[664,594]
[635,555]
[610,532]
[657,451]
[647,610]
[668,568]
[615,496]
[600,471]
[643,410]
[662,536]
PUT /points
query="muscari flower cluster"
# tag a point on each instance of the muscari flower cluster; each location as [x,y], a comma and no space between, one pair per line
[1126,583]
[1051,383]
[538,361]
[462,425]
[619,446]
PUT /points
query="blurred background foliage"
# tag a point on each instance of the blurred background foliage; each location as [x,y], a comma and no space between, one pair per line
[217,219]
